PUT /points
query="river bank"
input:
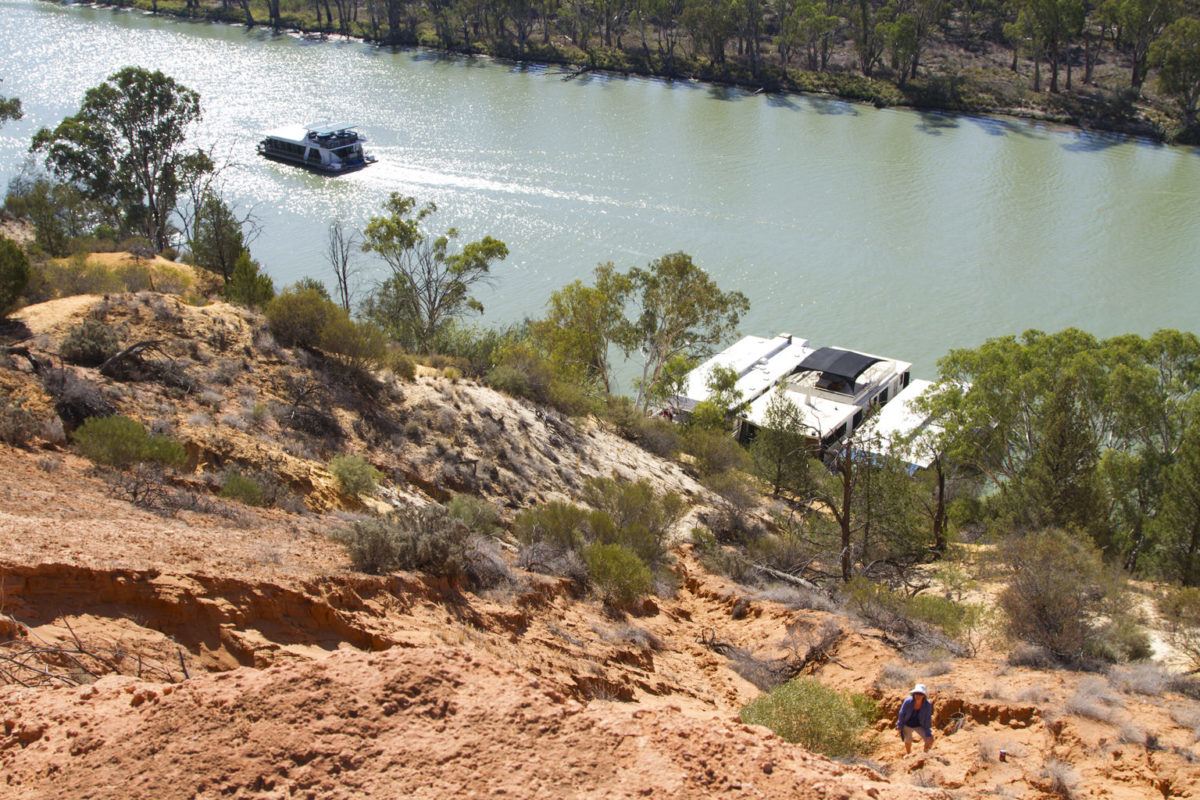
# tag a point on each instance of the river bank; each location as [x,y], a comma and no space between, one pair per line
[951,88]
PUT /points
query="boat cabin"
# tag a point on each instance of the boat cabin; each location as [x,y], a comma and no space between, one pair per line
[324,147]
[834,389]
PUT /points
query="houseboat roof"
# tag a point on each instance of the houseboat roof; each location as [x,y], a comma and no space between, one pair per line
[759,362]
[298,134]
[822,415]
[898,420]
[833,361]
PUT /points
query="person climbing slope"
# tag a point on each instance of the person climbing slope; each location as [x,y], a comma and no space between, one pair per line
[916,718]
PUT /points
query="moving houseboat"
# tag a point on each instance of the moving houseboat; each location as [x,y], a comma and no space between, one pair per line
[328,148]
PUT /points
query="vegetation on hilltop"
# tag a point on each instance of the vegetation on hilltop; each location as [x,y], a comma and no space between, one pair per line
[1080,61]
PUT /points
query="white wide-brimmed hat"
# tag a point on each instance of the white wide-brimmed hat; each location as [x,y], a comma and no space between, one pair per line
[919,689]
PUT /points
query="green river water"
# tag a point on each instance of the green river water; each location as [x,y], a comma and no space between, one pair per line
[891,231]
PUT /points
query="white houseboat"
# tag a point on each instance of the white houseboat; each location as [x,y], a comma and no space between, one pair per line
[834,389]
[328,148]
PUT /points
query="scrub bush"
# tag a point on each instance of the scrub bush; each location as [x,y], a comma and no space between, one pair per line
[805,712]
[120,442]
[714,450]
[428,540]
[90,343]
[401,365]
[243,488]
[297,317]
[1061,597]
[248,285]
[354,475]
[18,426]
[477,514]
[620,576]
[14,274]
[1180,612]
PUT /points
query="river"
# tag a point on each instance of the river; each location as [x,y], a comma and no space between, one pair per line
[891,231]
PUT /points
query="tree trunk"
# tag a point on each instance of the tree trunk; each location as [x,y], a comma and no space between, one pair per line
[939,508]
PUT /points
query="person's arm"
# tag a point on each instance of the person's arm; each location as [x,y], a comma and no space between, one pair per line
[904,707]
[927,719]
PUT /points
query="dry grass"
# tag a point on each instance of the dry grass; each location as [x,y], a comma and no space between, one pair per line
[1147,679]
[895,676]
[1062,780]
[1092,699]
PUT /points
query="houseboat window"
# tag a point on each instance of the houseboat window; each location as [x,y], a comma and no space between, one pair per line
[904,380]
[883,396]
[858,418]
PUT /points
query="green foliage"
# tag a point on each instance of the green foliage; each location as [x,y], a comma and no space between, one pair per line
[60,214]
[639,518]
[248,285]
[14,274]
[431,284]
[1180,612]
[715,451]
[621,577]
[653,434]
[962,623]
[401,365]
[359,345]
[521,371]
[18,425]
[781,447]
[1175,530]
[805,712]
[217,240]
[582,324]
[121,442]
[683,313]
[477,514]
[425,539]
[90,343]
[1176,54]
[562,525]
[297,317]
[1059,596]
[243,488]
[355,476]
[1075,432]
[125,148]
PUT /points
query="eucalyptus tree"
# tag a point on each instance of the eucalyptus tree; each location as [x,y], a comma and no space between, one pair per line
[679,312]
[1176,54]
[127,147]
[432,282]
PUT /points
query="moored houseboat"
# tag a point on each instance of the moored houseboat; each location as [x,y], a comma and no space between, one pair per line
[323,147]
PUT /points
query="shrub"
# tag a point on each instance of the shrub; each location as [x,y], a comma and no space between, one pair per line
[805,712]
[621,577]
[1060,597]
[921,617]
[297,317]
[248,285]
[359,345]
[75,399]
[1061,779]
[243,488]
[558,524]
[641,519]
[1148,679]
[1180,611]
[401,365]
[354,475]
[714,451]
[90,343]
[425,539]
[120,442]
[653,434]
[14,274]
[476,513]
[18,426]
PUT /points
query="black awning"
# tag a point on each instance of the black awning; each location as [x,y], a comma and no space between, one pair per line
[837,363]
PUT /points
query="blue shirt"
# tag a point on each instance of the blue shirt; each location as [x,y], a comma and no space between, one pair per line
[922,717]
